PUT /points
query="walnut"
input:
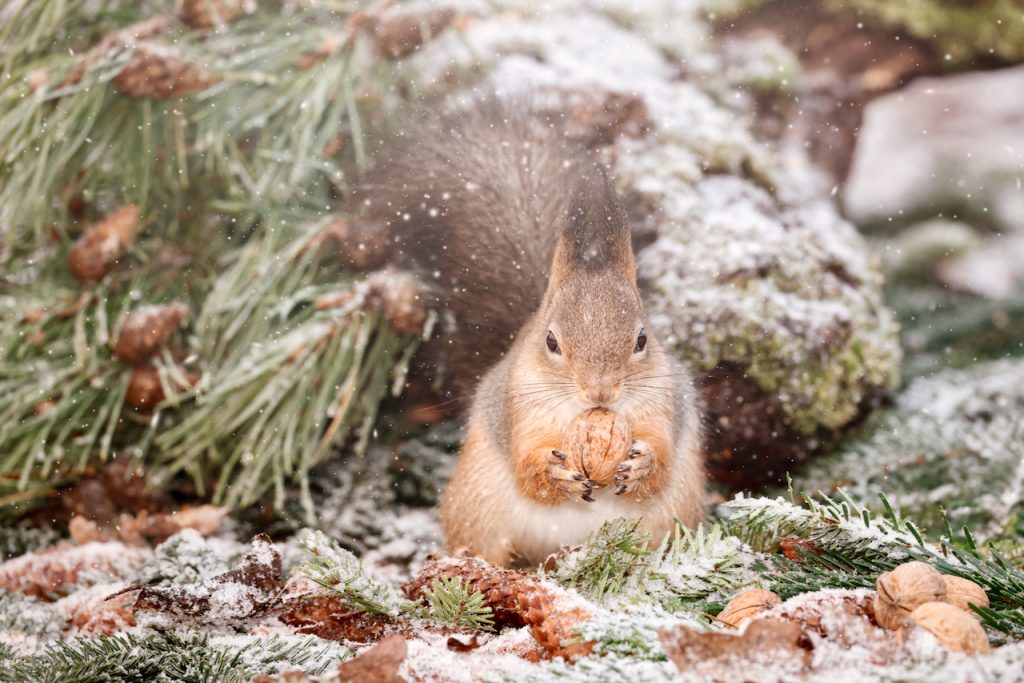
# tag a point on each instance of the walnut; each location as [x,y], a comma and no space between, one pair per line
[952,627]
[904,589]
[596,442]
[963,593]
[747,605]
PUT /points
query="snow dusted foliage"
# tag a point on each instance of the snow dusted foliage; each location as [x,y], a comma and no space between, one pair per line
[751,268]
[954,442]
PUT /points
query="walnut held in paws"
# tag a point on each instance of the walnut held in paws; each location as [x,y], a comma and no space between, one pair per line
[904,589]
[596,442]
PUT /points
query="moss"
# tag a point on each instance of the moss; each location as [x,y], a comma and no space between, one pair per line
[962,31]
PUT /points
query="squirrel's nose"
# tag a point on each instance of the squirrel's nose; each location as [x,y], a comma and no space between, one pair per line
[603,393]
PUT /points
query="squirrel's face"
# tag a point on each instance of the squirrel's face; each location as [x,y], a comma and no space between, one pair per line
[590,339]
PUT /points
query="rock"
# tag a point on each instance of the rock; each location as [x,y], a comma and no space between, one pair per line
[750,273]
[995,270]
[944,145]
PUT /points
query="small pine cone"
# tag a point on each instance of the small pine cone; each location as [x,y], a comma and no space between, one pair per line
[362,245]
[401,297]
[144,388]
[146,329]
[400,31]
[98,250]
[498,585]
[157,71]
[211,13]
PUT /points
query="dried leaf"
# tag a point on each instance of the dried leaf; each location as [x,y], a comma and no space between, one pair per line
[379,664]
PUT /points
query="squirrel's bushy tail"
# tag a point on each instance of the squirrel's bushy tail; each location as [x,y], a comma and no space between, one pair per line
[475,200]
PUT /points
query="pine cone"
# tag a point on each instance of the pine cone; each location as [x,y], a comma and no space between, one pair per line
[157,71]
[516,599]
[400,296]
[400,31]
[499,586]
[97,251]
[58,570]
[553,617]
[145,330]
[144,388]
[395,293]
[362,245]
[210,13]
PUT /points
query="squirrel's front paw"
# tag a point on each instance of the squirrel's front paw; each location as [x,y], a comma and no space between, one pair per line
[632,471]
[572,484]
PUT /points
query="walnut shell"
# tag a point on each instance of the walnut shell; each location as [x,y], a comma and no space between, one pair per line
[747,605]
[963,593]
[904,589]
[596,442]
[952,627]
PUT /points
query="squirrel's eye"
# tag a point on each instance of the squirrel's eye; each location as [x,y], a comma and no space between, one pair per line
[641,341]
[553,343]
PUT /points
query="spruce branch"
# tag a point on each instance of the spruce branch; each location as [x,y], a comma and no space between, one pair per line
[688,568]
[602,565]
[850,548]
[451,602]
[342,574]
[185,657]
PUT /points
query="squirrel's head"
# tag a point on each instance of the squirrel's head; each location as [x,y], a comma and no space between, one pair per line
[589,335]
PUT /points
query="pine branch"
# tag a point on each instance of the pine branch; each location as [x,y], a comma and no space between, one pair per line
[452,603]
[256,139]
[286,382]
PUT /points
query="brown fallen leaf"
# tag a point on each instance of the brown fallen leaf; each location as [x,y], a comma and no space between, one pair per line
[249,590]
[456,645]
[379,664]
[147,529]
[726,657]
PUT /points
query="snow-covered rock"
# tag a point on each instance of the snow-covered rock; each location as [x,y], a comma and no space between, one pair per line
[950,144]
[753,276]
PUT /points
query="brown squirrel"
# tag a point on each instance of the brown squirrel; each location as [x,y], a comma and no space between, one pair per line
[521,237]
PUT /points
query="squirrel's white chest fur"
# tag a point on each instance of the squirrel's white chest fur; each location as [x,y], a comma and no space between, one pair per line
[537,530]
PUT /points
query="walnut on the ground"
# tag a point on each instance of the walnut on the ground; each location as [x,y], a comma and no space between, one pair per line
[904,589]
[952,627]
[748,605]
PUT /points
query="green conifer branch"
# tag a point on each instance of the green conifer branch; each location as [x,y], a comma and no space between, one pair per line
[452,603]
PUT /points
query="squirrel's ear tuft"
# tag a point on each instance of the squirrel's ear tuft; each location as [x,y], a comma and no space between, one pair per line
[596,233]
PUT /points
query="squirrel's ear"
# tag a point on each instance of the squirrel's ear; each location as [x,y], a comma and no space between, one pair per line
[596,234]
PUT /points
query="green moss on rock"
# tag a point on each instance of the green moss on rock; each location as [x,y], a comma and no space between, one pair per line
[962,31]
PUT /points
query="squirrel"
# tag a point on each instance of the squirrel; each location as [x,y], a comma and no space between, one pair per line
[521,237]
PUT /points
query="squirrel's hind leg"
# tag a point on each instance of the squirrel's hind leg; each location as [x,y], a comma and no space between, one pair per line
[470,507]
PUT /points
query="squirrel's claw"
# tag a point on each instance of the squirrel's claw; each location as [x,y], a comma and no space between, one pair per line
[573,485]
[631,472]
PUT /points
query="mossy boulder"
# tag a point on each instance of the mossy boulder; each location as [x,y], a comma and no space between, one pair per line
[751,274]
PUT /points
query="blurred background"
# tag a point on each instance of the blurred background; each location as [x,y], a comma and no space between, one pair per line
[826,197]
[203,339]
